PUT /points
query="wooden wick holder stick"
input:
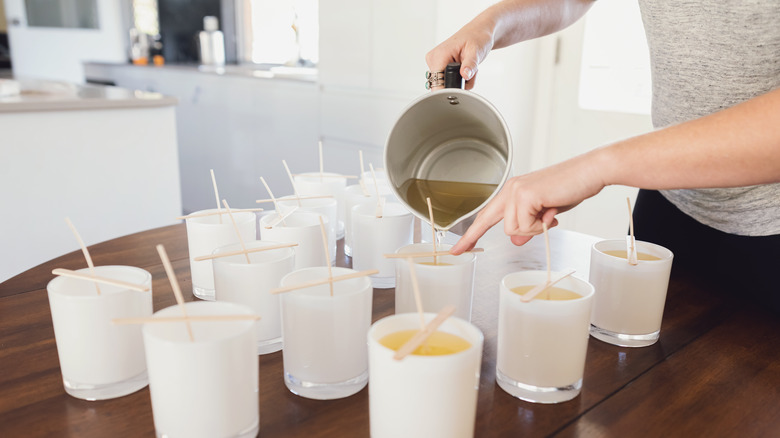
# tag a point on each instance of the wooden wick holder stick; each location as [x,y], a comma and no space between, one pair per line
[328,176]
[325,281]
[103,280]
[214,213]
[293,198]
[241,251]
[531,294]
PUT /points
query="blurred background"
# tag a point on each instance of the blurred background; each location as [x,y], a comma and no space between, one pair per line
[287,73]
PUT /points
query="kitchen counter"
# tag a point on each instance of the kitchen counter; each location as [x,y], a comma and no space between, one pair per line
[99,71]
[40,95]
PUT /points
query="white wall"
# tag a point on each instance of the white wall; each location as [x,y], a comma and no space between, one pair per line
[372,64]
[507,78]
[58,53]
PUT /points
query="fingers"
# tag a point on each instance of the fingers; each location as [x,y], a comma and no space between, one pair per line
[499,209]
[455,50]
[548,217]
[438,58]
[470,83]
[520,240]
[469,64]
[485,220]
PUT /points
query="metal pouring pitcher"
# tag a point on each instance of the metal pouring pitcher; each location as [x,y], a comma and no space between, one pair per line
[448,135]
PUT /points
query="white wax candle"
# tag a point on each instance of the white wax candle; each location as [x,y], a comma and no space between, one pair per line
[301,227]
[206,387]
[373,237]
[237,281]
[327,207]
[100,360]
[312,184]
[423,396]
[629,303]
[206,233]
[449,282]
[542,344]
[324,353]
[354,195]
[380,173]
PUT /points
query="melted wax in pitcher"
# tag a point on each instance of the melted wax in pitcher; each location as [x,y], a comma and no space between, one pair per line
[450,200]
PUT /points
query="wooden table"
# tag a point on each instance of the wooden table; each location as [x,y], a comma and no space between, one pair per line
[714,372]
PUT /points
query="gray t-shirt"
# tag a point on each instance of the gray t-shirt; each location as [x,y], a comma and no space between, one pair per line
[708,55]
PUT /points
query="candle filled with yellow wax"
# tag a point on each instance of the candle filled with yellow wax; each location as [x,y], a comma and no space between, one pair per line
[550,294]
[438,344]
[433,394]
[542,343]
[629,303]
[622,253]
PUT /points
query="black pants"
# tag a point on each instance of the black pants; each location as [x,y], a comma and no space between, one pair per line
[744,267]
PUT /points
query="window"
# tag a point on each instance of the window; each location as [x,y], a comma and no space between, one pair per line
[65,13]
[145,17]
[278,32]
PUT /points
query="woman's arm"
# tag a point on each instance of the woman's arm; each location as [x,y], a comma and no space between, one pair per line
[738,146]
[501,25]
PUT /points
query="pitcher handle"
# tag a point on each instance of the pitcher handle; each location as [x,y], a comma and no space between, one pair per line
[452,77]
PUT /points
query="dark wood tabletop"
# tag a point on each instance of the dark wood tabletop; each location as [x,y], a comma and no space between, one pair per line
[714,372]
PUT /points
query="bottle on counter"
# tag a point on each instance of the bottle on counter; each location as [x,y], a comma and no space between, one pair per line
[156,50]
[212,42]
[139,47]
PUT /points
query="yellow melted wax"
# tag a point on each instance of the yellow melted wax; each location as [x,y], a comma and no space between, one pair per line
[621,253]
[450,199]
[551,294]
[438,344]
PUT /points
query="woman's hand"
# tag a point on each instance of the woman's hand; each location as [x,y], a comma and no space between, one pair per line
[501,25]
[469,46]
[527,201]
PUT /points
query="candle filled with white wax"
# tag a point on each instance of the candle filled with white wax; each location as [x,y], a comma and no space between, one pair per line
[205,387]
[301,227]
[205,234]
[327,207]
[354,195]
[324,354]
[373,237]
[326,183]
[237,281]
[98,359]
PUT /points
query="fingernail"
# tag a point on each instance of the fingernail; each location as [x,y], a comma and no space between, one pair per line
[468,72]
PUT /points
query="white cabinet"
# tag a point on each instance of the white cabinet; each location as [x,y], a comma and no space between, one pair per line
[108,163]
[242,127]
